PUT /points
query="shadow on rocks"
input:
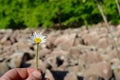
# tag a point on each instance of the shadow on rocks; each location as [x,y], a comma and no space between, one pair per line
[60,75]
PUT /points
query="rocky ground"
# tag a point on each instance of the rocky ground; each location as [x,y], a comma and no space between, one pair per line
[70,54]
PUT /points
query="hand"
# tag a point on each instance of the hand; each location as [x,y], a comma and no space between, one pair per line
[22,74]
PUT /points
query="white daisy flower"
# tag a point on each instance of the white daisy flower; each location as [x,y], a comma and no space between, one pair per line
[38,38]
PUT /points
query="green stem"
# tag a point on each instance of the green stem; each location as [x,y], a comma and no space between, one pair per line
[37,56]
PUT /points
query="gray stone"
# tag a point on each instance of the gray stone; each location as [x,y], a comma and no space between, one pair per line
[65,39]
[70,76]
[16,60]
[3,68]
[101,69]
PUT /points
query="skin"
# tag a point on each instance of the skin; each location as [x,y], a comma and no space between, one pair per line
[22,74]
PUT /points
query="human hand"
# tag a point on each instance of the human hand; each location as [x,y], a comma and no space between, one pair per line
[22,74]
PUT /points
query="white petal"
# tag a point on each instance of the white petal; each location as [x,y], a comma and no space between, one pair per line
[38,35]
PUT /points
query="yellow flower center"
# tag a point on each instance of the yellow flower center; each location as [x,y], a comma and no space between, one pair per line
[37,40]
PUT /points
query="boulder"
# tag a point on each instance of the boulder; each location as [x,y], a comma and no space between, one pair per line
[17,59]
[3,68]
[62,40]
[41,65]
[70,76]
[101,69]
[49,75]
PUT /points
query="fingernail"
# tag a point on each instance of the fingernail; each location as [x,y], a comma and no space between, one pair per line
[37,74]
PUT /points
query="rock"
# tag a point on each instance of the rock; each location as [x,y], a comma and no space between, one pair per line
[70,76]
[93,57]
[92,77]
[74,69]
[44,52]
[115,62]
[49,75]
[77,40]
[103,43]
[62,62]
[113,54]
[101,69]
[56,58]
[22,46]
[75,51]
[5,40]
[90,57]
[90,39]
[51,38]
[52,61]
[4,68]
[16,60]
[41,65]
[65,39]
[118,27]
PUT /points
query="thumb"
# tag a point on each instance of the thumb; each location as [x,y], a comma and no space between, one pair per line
[35,75]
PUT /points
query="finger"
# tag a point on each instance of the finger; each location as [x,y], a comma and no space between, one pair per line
[11,75]
[17,74]
[25,72]
[36,75]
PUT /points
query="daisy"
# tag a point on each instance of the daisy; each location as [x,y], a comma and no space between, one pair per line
[38,38]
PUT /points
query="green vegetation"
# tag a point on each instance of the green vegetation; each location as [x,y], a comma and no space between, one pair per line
[48,13]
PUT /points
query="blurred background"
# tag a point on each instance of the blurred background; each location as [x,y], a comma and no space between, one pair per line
[50,13]
[82,37]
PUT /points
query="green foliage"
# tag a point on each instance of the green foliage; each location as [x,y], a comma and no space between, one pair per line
[46,13]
